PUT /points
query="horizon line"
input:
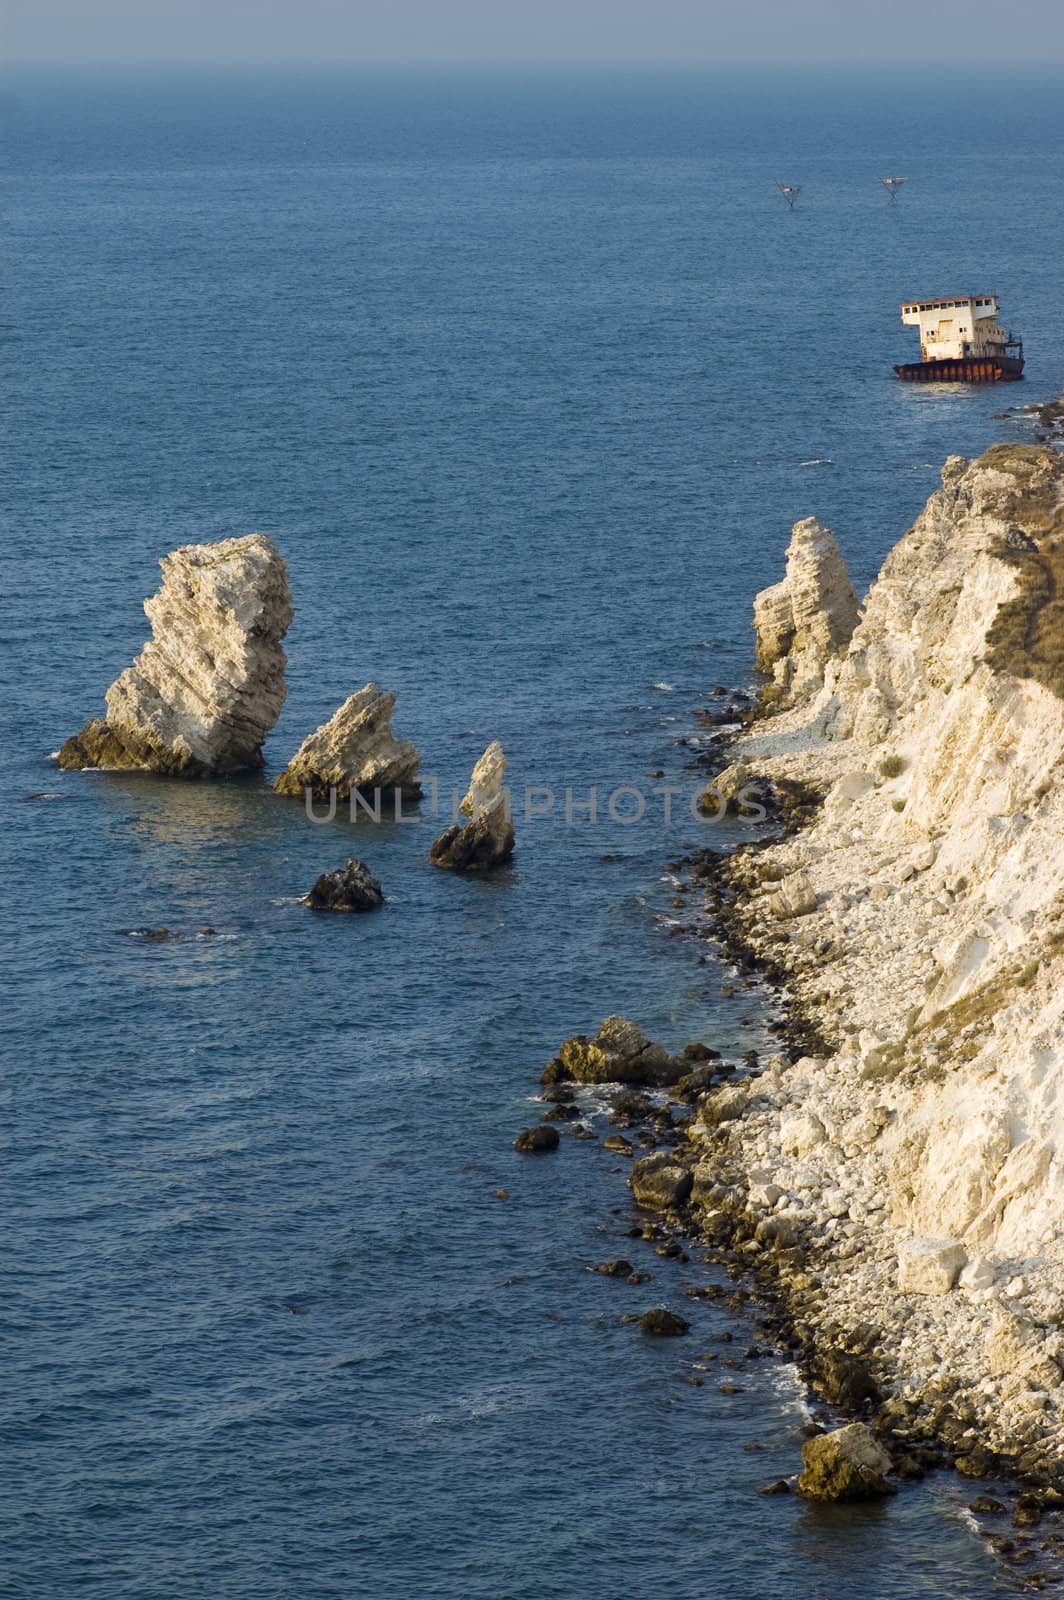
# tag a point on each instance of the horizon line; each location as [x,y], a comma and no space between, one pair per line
[841,63]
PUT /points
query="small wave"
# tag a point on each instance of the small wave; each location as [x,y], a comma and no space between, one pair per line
[817,461]
[665,688]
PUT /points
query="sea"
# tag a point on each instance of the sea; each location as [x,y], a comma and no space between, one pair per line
[528,373]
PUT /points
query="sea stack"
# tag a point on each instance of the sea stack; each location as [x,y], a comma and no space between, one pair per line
[808,618]
[487,840]
[208,685]
[354,750]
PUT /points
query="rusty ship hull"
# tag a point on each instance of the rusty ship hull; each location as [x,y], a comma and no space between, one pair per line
[963,369]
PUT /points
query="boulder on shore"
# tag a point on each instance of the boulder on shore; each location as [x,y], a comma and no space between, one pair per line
[659,1183]
[351,887]
[846,1464]
[929,1266]
[619,1053]
[208,685]
[487,839]
[354,750]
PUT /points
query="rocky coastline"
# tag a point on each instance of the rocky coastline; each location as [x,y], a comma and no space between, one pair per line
[886,1187]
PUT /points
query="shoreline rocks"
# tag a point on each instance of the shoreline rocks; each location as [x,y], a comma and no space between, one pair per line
[208,686]
[354,751]
[487,839]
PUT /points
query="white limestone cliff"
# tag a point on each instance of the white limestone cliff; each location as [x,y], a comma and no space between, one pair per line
[209,684]
[808,618]
[928,945]
[355,749]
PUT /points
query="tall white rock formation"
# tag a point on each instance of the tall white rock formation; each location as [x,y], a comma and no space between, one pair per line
[209,684]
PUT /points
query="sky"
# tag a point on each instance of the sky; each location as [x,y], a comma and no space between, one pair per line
[915,31]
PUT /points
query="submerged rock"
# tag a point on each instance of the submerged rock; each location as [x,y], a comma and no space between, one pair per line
[538,1140]
[487,840]
[847,1464]
[209,684]
[351,887]
[354,750]
[662,1323]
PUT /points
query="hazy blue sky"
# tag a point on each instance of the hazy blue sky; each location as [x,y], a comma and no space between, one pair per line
[818,30]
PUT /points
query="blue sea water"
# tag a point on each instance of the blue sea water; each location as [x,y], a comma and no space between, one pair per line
[528,374]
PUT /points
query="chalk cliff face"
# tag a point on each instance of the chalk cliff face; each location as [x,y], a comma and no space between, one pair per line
[928,944]
[209,684]
[355,749]
[807,619]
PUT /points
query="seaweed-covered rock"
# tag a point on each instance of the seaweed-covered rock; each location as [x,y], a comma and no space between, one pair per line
[846,1464]
[487,839]
[208,685]
[351,887]
[354,750]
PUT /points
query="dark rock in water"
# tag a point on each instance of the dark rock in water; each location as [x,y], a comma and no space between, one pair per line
[846,1464]
[560,1094]
[781,1486]
[562,1113]
[618,1144]
[630,1106]
[659,1182]
[1027,1512]
[663,1324]
[468,849]
[619,1053]
[985,1505]
[615,1269]
[637,1277]
[156,935]
[700,1052]
[537,1141]
[582,1131]
[351,887]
